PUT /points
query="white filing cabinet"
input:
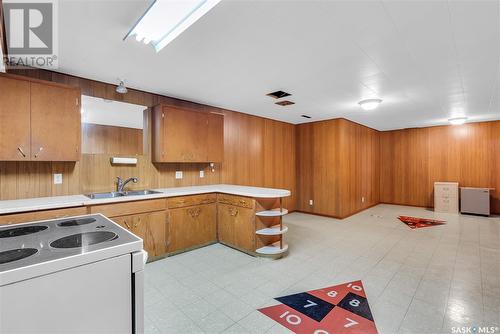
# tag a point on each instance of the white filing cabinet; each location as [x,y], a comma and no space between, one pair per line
[446,197]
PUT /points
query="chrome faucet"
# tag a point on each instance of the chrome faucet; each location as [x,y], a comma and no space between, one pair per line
[120,184]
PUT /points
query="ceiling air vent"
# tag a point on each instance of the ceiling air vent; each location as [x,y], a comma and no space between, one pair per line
[305,116]
[278,94]
[284,103]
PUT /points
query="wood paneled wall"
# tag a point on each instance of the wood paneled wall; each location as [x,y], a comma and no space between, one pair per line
[267,158]
[107,139]
[337,165]
[259,152]
[359,167]
[413,159]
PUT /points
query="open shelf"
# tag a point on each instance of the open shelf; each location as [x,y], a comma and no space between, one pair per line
[273,249]
[272,213]
[273,230]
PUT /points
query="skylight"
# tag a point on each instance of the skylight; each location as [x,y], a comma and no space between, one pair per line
[164,20]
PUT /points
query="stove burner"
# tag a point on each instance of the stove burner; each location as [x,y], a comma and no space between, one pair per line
[18,231]
[83,239]
[76,222]
[16,254]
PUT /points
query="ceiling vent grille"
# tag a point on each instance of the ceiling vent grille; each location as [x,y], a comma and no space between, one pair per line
[278,94]
[284,103]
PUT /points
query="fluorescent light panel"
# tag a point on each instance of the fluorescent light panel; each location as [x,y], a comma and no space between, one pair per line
[164,20]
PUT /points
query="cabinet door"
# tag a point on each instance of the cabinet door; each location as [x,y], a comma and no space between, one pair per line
[236,226]
[55,123]
[192,226]
[185,135]
[225,223]
[215,138]
[150,227]
[14,119]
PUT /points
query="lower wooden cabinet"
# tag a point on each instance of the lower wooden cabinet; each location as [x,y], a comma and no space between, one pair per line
[192,226]
[236,226]
[152,227]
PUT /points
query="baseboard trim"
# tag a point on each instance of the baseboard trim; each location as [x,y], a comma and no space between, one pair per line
[337,217]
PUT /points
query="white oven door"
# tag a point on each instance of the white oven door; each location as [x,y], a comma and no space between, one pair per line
[93,298]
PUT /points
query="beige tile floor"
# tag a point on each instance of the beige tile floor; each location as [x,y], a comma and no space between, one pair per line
[427,280]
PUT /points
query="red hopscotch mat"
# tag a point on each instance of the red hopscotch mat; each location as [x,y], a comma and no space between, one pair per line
[339,309]
[415,222]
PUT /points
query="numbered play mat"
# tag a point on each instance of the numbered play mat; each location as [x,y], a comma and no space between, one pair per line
[416,222]
[336,309]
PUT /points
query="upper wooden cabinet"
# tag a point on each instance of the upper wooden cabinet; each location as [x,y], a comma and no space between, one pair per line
[39,121]
[15,117]
[183,135]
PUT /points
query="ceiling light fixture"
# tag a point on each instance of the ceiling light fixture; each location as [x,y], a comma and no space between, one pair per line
[121,87]
[164,20]
[369,104]
[457,120]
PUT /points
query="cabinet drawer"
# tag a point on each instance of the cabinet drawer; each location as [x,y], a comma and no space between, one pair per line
[128,208]
[42,215]
[445,204]
[446,190]
[244,202]
[180,202]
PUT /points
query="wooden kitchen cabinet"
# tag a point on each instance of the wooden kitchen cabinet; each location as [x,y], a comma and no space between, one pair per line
[215,139]
[192,226]
[184,135]
[14,119]
[236,226]
[151,227]
[55,123]
[39,121]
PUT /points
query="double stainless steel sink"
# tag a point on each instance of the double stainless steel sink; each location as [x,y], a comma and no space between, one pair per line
[114,194]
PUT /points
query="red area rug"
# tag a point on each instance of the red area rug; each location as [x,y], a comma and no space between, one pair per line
[415,222]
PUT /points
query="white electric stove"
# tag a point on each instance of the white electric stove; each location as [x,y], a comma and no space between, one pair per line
[74,275]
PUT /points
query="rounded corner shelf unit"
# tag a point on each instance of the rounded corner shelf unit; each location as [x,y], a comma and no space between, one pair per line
[273,230]
[272,213]
[273,249]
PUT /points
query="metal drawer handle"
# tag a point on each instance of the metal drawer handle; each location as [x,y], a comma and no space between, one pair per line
[242,201]
[21,151]
[39,152]
[126,224]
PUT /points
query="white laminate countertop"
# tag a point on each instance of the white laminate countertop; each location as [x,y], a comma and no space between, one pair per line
[57,202]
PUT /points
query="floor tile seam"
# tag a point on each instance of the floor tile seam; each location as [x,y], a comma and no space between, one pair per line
[420,281]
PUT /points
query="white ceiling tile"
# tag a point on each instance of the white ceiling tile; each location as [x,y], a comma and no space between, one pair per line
[425,59]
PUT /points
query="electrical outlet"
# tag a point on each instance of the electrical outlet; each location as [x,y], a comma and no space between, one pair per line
[310,202]
[178,174]
[363,199]
[202,173]
[57,178]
